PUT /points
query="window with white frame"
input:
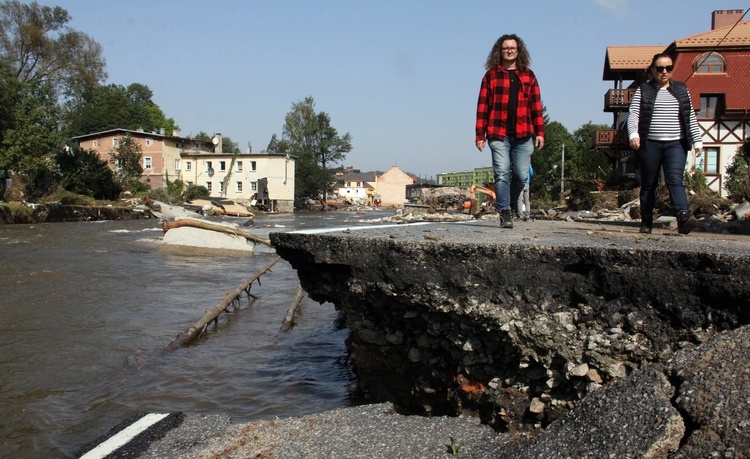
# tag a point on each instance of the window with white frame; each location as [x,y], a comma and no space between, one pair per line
[252,165]
[208,186]
[149,142]
[238,187]
[208,165]
[177,164]
[115,142]
[221,187]
[222,166]
[189,183]
[147,162]
[95,143]
[188,165]
[253,186]
[239,166]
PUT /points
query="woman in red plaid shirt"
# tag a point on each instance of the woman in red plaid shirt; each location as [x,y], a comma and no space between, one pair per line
[509,119]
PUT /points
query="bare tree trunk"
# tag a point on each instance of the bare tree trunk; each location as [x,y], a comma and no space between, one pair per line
[213,227]
[200,327]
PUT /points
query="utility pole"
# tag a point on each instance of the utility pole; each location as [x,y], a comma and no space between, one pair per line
[562,175]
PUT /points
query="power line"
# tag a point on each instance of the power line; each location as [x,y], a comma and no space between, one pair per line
[717,45]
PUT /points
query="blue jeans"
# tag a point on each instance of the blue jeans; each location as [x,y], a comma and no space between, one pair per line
[667,155]
[510,164]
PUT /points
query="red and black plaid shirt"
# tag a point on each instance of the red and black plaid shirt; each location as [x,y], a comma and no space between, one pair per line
[492,113]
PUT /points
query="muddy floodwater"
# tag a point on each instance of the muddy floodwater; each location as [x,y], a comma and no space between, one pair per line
[85,309]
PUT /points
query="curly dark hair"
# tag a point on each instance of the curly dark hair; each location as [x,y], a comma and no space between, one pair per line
[495,57]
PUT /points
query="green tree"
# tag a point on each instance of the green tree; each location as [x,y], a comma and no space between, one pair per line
[738,174]
[115,106]
[330,147]
[38,45]
[547,163]
[126,157]
[227,144]
[11,93]
[309,136]
[589,168]
[83,172]
[32,136]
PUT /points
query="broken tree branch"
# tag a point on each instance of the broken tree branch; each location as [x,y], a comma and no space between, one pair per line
[200,327]
[166,226]
[288,321]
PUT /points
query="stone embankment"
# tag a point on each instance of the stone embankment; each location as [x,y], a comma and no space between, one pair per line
[521,326]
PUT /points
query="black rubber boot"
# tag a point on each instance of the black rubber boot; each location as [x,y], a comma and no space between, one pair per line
[646,224]
[685,222]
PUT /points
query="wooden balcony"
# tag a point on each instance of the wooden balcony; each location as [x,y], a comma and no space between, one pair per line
[611,139]
[618,99]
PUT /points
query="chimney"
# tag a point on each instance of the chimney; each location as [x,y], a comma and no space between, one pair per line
[217,143]
[723,18]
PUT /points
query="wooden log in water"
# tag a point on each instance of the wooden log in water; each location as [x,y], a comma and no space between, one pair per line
[288,321]
[199,328]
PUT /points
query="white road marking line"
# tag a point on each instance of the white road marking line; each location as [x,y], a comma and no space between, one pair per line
[354,228]
[124,436]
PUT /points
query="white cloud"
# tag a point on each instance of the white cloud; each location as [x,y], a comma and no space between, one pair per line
[616,6]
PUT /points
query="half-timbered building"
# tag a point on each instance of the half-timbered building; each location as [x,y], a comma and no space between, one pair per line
[715,66]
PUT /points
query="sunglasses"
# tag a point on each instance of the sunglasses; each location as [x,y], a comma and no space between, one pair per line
[661,69]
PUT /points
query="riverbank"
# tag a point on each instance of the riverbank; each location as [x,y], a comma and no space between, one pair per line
[16,213]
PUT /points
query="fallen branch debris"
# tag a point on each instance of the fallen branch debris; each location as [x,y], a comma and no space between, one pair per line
[211,315]
[288,321]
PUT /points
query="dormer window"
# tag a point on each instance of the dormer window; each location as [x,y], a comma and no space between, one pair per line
[710,63]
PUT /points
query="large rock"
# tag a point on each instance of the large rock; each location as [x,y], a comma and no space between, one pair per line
[634,418]
[640,416]
[186,240]
[713,394]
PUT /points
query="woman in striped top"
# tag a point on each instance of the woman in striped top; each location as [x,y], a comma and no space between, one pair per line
[662,128]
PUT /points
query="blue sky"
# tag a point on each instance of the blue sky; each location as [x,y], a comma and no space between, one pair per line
[401,77]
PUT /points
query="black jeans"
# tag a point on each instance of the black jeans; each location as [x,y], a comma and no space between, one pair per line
[671,156]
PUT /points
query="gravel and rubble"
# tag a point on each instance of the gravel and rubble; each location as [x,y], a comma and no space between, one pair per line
[696,405]
[367,432]
[734,221]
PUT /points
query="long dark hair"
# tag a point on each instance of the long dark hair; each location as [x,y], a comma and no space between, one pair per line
[495,57]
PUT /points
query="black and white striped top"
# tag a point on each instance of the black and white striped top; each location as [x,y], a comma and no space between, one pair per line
[665,122]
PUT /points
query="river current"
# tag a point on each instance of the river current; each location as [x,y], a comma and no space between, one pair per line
[86,308]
